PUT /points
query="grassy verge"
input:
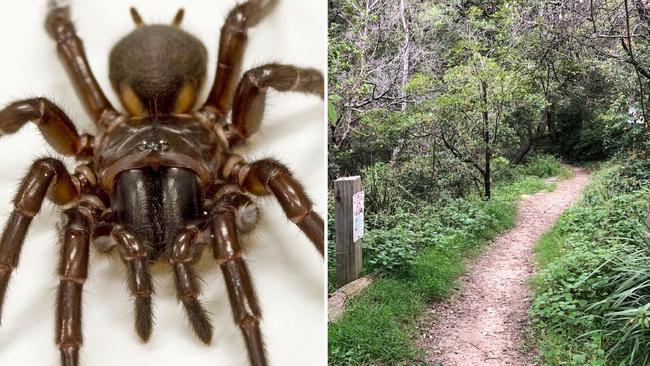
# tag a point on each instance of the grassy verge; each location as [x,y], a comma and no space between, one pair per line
[592,292]
[419,256]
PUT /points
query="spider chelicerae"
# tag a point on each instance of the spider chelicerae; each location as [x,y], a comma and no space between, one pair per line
[158,181]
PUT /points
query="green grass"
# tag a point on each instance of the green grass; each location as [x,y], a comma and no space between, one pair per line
[592,291]
[379,325]
[541,166]
[548,247]
[565,173]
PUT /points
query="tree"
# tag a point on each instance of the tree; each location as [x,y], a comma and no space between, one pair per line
[470,115]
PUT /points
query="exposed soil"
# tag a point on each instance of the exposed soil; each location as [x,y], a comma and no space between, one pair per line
[482,323]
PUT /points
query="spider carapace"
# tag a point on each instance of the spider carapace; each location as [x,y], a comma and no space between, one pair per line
[158,180]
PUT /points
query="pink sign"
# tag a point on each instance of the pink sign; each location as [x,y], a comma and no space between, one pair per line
[357,216]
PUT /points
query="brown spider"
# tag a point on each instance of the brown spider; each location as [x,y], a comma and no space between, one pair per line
[158,181]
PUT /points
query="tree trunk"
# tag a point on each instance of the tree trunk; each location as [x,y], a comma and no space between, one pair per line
[532,139]
[394,157]
[523,152]
[487,181]
[550,122]
[648,216]
[405,57]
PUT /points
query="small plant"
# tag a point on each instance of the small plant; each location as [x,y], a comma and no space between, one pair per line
[592,295]
[542,166]
[389,250]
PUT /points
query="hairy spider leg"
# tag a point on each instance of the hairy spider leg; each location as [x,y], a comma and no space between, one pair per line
[250,98]
[134,255]
[185,252]
[73,271]
[54,124]
[228,253]
[71,50]
[269,176]
[232,44]
[45,174]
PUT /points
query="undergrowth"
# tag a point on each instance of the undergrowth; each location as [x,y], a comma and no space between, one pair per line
[592,293]
[417,255]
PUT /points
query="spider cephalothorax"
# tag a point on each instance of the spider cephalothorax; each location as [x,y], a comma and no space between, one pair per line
[158,181]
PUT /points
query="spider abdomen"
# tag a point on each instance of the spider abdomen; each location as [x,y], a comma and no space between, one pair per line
[154,204]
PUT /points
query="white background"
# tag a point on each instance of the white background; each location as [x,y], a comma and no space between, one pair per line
[286,269]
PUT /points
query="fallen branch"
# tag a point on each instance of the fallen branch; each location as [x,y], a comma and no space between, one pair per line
[337,302]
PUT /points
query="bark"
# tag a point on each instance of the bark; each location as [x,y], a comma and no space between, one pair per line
[550,123]
[405,57]
[634,63]
[401,142]
[533,138]
[647,223]
[487,181]
[644,12]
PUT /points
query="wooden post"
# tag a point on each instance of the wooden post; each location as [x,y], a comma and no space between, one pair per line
[348,252]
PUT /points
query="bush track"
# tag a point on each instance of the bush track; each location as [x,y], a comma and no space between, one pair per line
[482,323]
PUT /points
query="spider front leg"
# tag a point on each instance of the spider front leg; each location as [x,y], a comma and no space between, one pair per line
[73,271]
[226,214]
[71,50]
[185,252]
[45,175]
[268,176]
[250,99]
[134,255]
[57,129]
[232,43]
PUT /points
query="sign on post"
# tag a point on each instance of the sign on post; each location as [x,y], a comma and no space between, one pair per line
[349,228]
[357,216]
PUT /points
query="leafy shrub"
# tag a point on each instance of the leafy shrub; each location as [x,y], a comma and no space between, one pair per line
[623,134]
[384,193]
[450,224]
[502,169]
[389,250]
[592,296]
[542,166]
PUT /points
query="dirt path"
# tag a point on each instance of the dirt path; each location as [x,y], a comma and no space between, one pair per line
[481,325]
